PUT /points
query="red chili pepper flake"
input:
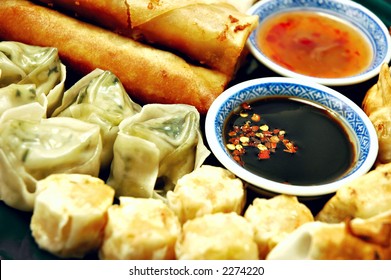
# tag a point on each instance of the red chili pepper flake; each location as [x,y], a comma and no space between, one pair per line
[306,41]
[255,117]
[260,136]
[246,106]
[232,133]
[265,154]
[289,147]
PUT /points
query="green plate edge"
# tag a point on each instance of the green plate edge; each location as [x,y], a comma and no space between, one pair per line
[381,8]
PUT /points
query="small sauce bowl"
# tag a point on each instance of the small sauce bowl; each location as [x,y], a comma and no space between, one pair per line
[286,108]
[318,40]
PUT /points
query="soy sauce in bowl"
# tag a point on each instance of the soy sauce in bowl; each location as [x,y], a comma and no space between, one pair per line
[314,145]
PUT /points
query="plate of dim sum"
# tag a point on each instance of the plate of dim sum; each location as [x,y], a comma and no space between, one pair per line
[96,127]
[102,151]
[132,42]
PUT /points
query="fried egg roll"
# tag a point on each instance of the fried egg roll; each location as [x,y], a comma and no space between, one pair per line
[149,75]
[210,32]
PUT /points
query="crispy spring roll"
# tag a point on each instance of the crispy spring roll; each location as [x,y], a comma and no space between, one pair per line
[149,75]
[210,32]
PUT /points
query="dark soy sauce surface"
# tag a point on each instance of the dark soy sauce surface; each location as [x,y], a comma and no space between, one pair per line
[325,150]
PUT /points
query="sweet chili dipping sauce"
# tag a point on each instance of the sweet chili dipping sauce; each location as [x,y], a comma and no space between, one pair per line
[289,140]
[314,44]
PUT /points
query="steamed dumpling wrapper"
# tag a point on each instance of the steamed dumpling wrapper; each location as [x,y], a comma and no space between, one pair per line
[161,143]
[217,236]
[22,102]
[99,98]
[377,105]
[32,150]
[26,64]
[140,229]
[70,214]
[274,219]
[210,32]
[206,190]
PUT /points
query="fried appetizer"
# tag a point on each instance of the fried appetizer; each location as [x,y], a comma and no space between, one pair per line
[274,219]
[140,229]
[219,236]
[70,214]
[206,190]
[149,75]
[210,32]
[364,197]
[357,239]
[31,150]
[241,5]
[155,148]
[377,105]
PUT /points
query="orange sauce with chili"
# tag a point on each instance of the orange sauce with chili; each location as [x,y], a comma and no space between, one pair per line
[314,44]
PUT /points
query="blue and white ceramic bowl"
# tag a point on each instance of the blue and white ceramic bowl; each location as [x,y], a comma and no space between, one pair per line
[359,16]
[355,119]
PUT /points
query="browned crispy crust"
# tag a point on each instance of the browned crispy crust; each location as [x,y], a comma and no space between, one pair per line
[149,75]
[209,32]
[366,239]
[352,239]
[363,198]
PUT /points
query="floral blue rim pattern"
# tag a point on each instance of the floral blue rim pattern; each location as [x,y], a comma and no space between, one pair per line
[349,10]
[302,91]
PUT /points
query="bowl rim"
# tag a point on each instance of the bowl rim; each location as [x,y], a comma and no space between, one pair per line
[213,115]
[361,77]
